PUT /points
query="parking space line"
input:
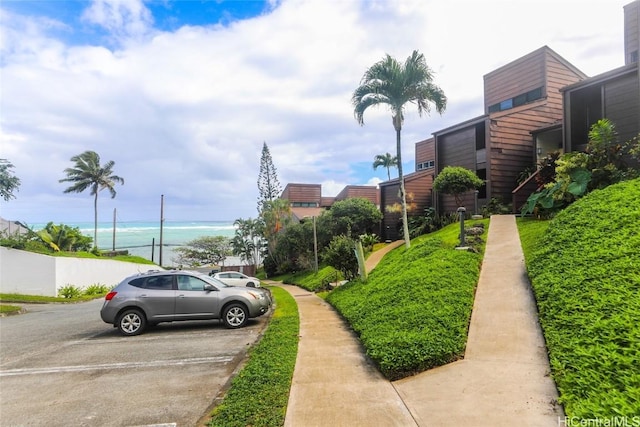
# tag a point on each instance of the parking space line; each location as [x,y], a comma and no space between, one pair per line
[129,365]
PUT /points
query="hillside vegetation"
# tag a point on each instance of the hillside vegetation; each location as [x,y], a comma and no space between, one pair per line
[413,312]
[585,272]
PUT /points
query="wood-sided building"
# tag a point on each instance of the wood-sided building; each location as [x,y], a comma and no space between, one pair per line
[519,98]
[614,95]
[306,200]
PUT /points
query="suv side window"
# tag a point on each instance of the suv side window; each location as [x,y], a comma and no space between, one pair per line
[159,282]
[138,283]
[190,283]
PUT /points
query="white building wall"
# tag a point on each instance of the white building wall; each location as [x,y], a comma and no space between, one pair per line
[34,274]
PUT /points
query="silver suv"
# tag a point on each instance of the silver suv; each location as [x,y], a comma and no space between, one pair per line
[166,296]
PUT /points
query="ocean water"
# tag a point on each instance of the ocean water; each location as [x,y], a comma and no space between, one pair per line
[138,236]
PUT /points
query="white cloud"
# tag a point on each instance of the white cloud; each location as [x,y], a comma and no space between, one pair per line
[122,18]
[185,113]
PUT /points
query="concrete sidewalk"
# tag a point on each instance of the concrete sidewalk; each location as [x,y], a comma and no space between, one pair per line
[502,381]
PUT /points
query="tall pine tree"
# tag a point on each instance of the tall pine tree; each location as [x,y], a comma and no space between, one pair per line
[268,184]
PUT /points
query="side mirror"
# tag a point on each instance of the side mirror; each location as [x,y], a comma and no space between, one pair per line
[209,288]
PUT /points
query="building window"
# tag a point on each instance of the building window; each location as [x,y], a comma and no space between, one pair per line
[516,101]
[480,136]
[482,191]
[304,204]
[426,165]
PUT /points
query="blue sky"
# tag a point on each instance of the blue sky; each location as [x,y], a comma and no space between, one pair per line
[182,94]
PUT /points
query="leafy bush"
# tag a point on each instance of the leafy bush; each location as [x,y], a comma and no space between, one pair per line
[64,238]
[456,180]
[495,206]
[96,289]
[259,394]
[585,273]
[576,173]
[413,313]
[341,255]
[69,291]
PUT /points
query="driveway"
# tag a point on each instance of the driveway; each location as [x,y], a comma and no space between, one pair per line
[60,365]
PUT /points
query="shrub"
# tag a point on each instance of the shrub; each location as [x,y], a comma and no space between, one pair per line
[341,255]
[69,291]
[96,289]
[456,180]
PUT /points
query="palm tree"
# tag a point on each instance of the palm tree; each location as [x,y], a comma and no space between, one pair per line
[395,84]
[87,173]
[385,160]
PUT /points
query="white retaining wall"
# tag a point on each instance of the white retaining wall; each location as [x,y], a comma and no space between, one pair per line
[29,273]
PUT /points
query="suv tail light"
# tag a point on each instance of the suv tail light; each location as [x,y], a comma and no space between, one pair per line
[110,296]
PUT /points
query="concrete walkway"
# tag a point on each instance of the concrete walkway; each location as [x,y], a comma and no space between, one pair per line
[502,381]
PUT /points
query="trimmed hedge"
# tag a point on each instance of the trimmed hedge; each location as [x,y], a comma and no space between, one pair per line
[585,273]
[413,313]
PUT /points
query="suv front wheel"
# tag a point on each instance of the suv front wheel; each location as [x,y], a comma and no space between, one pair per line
[131,322]
[235,315]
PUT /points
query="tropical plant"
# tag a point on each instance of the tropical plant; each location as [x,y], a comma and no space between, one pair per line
[607,161]
[276,215]
[577,173]
[369,240]
[248,243]
[268,185]
[394,84]
[69,291]
[64,238]
[87,173]
[386,161]
[456,180]
[8,181]
[204,250]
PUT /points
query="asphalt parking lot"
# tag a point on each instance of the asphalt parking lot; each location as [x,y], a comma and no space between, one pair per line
[60,365]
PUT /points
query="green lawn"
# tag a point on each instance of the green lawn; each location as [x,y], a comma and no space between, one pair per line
[584,267]
[259,394]
[413,313]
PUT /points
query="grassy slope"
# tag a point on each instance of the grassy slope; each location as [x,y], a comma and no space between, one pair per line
[585,272]
[414,311]
[259,394]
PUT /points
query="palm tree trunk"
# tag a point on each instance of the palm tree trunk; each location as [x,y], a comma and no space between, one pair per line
[405,223]
[95,221]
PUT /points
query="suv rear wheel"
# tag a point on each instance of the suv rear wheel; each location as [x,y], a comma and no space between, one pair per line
[131,322]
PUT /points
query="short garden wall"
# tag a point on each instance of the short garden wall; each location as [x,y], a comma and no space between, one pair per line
[34,274]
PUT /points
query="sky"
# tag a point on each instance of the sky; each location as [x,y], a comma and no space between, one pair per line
[181,95]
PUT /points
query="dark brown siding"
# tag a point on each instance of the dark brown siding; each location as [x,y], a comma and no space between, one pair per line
[425,151]
[360,191]
[418,186]
[303,193]
[515,78]
[457,148]
[622,105]
[389,203]
[511,143]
